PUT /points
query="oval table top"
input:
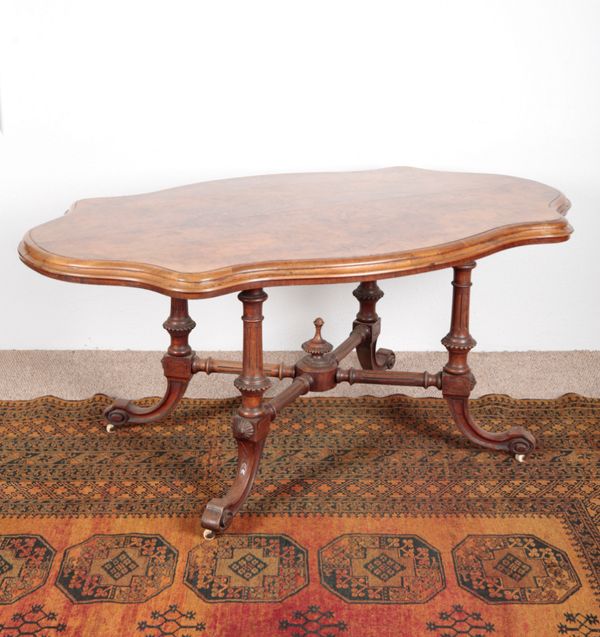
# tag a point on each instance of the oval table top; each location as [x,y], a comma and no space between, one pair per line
[220,236]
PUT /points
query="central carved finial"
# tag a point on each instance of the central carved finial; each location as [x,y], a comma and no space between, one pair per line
[318,323]
[317,346]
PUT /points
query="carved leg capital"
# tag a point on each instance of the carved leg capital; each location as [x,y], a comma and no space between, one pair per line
[459,385]
[253,429]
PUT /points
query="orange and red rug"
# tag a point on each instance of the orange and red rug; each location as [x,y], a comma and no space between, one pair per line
[369,517]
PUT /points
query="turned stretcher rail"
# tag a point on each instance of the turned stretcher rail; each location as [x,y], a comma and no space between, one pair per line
[300,385]
[212,365]
[377,377]
[351,375]
[219,366]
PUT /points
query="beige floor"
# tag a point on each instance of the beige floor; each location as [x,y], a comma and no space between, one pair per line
[77,374]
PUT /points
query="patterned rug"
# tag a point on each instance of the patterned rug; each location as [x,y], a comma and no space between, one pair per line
[369,517]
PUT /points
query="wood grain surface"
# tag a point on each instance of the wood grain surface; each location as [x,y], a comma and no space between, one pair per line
[215,237]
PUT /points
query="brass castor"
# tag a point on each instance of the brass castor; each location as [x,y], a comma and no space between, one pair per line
[520,457]
[110,428]
[209,534]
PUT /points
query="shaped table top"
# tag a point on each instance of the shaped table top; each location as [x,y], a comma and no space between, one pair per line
[215,237]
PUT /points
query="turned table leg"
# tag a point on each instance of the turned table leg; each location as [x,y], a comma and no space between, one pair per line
[458,381]
[177,366]
[368,293]
[250,424]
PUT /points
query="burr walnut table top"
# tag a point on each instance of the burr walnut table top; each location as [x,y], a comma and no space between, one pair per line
[219,236]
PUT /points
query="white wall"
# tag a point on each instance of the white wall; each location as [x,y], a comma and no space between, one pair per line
[118,97]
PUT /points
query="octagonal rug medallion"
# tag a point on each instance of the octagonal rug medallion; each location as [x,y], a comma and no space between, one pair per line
[249,568]
[386,569]
[127,569]
[25,562]
[514,569]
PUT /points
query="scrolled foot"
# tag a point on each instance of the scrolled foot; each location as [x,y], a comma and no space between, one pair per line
[521,441]
[178,369]
[370,358]
[385,358]
[219,512]
[125,412]
[516,441]
[217,516]
[117,415]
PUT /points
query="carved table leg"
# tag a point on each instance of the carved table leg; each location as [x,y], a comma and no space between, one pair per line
[251,423]
[458,381]
[177,365]
[368,293]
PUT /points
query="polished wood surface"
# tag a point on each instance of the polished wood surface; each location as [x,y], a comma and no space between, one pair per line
[221,236]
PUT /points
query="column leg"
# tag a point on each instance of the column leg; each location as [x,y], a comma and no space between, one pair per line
[368,293]
[251,423]
[458,381]
[177,366]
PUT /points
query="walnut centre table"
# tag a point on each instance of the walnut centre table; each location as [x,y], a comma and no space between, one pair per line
[217,237]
